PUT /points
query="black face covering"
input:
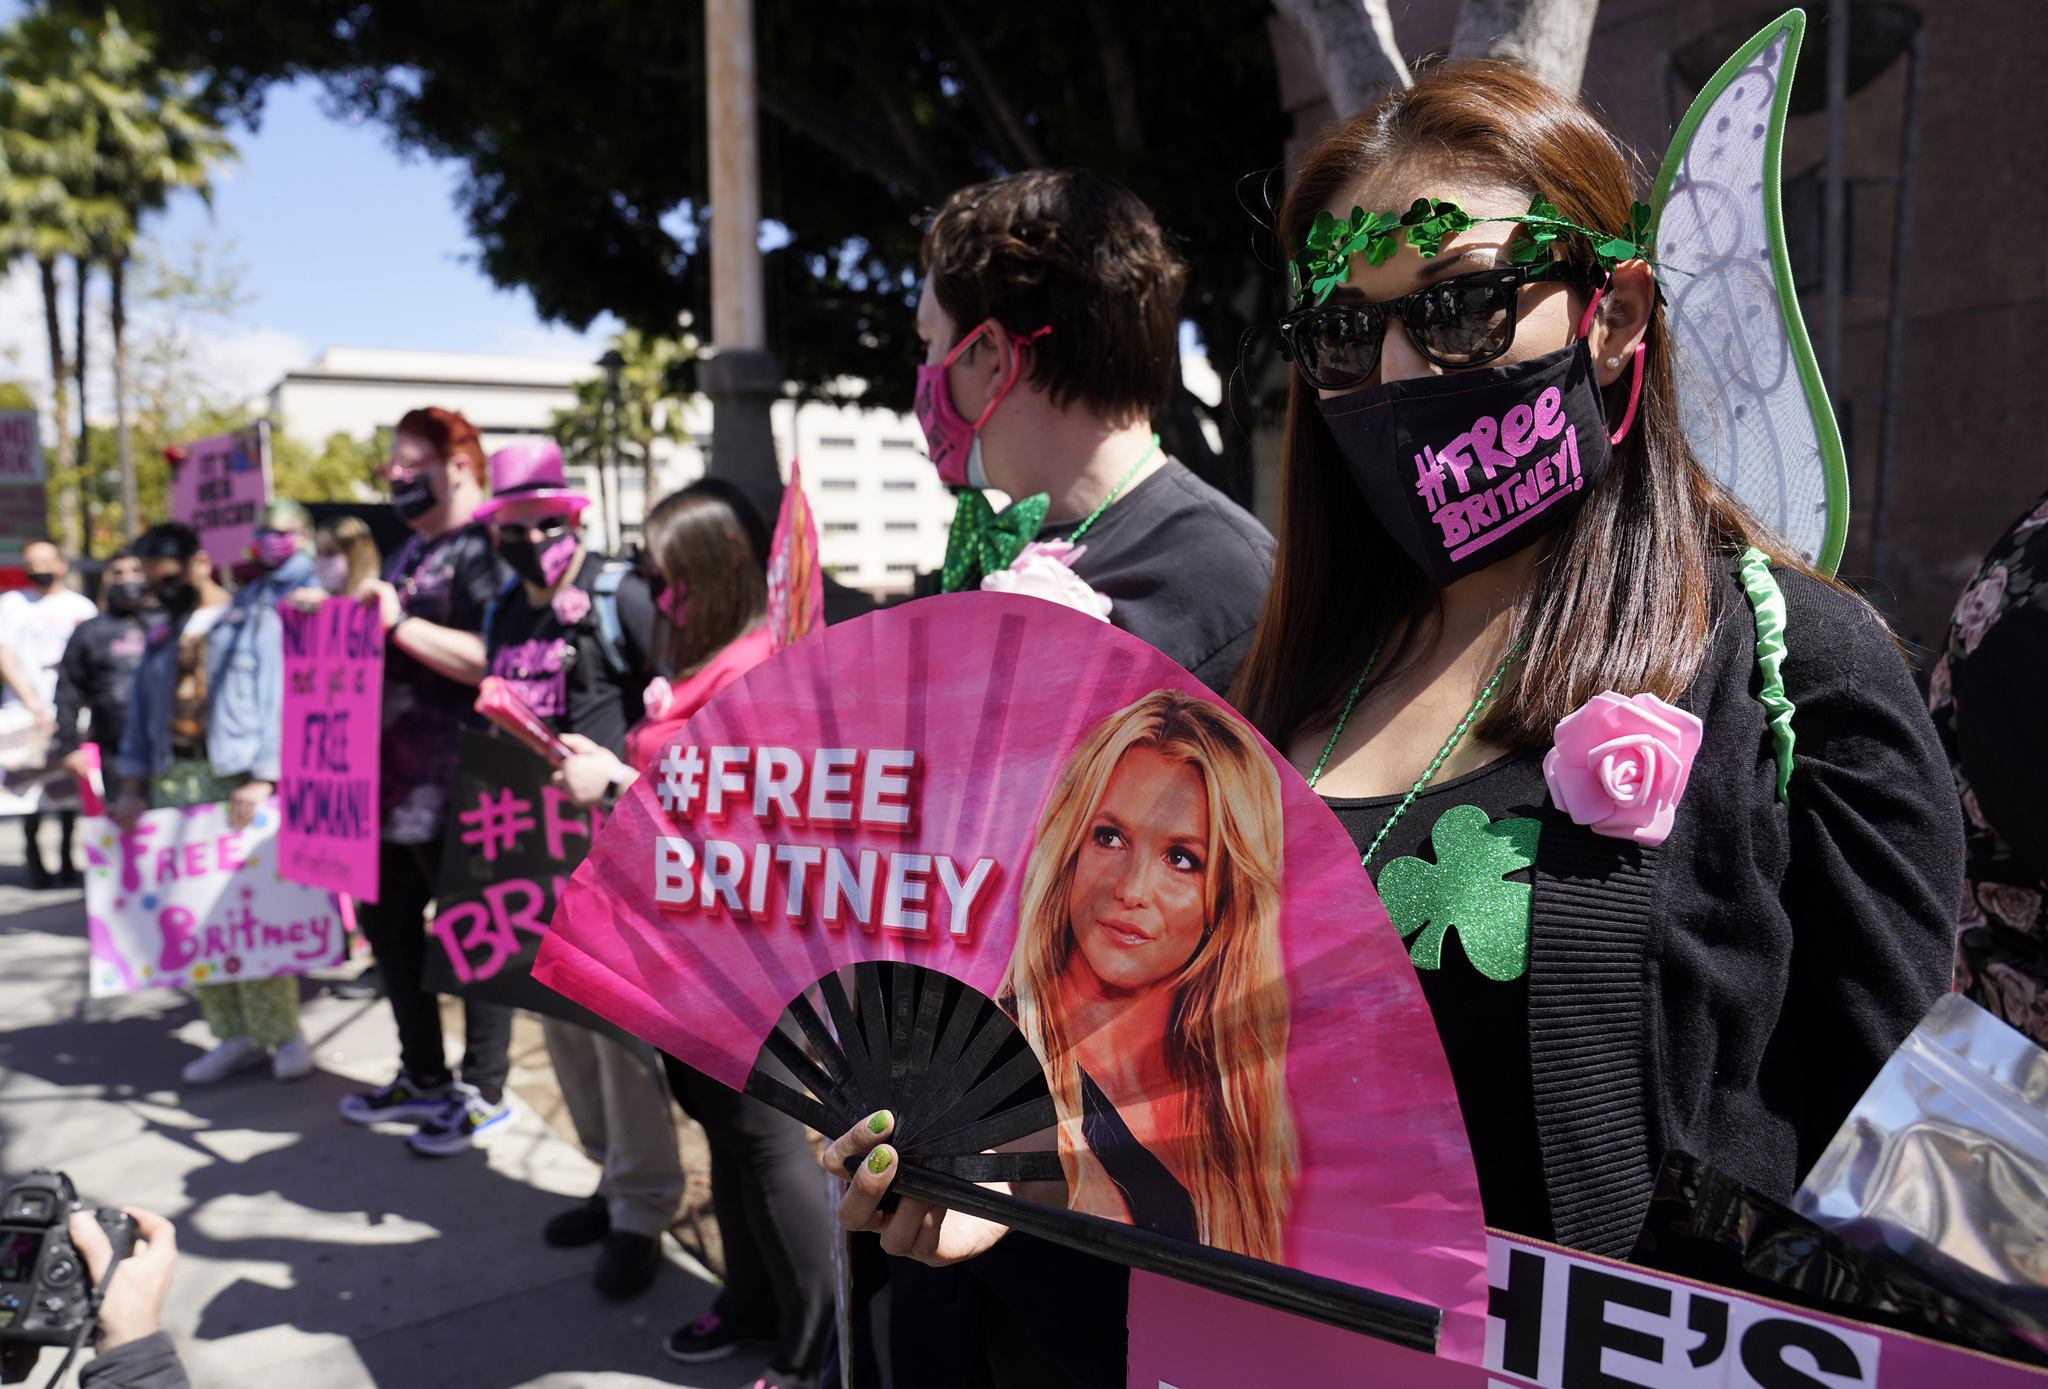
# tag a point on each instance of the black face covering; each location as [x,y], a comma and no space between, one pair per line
[541,561]
[1466,469]
[413,498]
[176,593]
[43,578]
[128,596]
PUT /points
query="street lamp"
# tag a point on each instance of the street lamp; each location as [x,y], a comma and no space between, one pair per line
[608,465]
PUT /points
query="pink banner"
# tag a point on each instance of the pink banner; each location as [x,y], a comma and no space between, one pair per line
[1042,806]
[218,484]
[1557,1319]
[796,582]
[333,704]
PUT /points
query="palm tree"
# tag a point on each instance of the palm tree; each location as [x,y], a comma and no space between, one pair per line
[647,410]
[106,135]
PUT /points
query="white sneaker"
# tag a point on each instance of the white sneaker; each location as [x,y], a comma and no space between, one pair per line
[293,1060]
[235,1054]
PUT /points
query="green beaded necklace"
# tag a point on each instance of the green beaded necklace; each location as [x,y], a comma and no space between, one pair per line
[1114,492]
[1443,753]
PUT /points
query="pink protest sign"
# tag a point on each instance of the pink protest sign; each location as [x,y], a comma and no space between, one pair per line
[333,703]
[183,899]
[796,582]
[1026,799]
[218,484]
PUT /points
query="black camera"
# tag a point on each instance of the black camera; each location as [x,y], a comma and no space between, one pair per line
[45,1293]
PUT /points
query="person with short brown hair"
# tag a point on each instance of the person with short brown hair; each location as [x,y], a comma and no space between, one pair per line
[1050,311]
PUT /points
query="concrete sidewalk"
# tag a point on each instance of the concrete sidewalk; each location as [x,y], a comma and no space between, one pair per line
[315,1254]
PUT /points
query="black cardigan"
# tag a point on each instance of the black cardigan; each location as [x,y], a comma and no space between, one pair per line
[1732,992]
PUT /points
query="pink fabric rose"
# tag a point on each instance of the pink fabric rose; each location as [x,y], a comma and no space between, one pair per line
[1979,608]
[1971,914]
[570,605]
[656,697]
[2037,517]
[1042,570]
[1975,811]
[1620,765]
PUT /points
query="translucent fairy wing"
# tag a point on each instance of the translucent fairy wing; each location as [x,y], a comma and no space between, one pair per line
[1750,394]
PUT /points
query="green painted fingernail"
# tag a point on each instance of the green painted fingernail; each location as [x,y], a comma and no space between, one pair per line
[878,1121]
[878,1161]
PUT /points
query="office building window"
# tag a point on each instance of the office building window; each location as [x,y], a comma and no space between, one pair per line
[830,441]
[841,527]
[899,443]
[901,568]
[843,571]
[837,484]
[899,484]
[899,527]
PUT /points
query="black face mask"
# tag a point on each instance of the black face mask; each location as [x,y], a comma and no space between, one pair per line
[414,497]
[542,561]
[1466,469]
[128,596]
[42,578]
[176,593]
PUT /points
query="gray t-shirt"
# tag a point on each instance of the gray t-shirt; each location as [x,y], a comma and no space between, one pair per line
[1186,568]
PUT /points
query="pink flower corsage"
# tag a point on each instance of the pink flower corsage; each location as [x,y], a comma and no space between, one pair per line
[1044,569]
[570,605]
[655,700]
[1620,765]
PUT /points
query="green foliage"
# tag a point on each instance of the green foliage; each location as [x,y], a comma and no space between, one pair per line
[342,471]
[582,130]
[1325,258]
[1465,890]
[14,397]
[647,405]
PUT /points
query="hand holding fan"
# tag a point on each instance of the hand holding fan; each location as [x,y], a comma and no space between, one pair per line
[1099,901]
[497,701]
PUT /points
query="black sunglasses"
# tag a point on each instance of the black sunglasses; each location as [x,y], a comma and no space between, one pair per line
[1464,321]
[549,529]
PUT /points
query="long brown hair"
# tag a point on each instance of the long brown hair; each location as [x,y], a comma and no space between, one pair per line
[1227,1041]
[1624,602]
[709,541]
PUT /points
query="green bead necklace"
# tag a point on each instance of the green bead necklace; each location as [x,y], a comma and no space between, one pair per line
[1114,492]
[1443,753]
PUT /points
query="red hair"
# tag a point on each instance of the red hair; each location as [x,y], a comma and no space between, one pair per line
[451,435]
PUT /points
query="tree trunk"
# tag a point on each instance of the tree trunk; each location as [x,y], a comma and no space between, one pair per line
[70,530]
[1354,48]
[648,484]
[117,317]
[87,486]
[1549,37]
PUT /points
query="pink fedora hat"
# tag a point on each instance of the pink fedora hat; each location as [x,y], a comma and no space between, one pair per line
[529,471]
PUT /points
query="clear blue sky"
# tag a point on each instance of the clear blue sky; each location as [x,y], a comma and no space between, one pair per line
[347,242]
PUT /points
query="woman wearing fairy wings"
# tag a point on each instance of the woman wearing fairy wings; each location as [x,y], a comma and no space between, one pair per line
[1147,976]
[1657,807]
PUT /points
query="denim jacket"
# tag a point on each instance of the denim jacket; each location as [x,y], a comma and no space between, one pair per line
[244,683]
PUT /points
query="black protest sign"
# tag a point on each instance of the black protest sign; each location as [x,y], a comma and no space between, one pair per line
[512,841]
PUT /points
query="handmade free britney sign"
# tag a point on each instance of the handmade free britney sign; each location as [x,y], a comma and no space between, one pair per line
[1047,809]
[183,899]
[512,841]
[333,700]
[218,484]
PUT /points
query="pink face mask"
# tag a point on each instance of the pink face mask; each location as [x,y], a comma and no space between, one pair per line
[949,436]
[275,547]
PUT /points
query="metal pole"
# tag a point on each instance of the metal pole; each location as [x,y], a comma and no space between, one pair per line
[742,378]
[1895,325]
[1836,208]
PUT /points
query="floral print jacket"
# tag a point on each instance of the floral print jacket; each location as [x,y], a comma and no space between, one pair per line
[1986,696]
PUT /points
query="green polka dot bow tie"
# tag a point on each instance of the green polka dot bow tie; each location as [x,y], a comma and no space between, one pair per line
[983,542]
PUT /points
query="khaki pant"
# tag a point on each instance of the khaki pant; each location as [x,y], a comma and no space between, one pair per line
[622,1120]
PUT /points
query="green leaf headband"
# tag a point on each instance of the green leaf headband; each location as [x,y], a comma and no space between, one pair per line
[1325,258]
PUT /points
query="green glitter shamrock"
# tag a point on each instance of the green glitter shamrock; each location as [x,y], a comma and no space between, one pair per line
[1464,891]
[1325,258]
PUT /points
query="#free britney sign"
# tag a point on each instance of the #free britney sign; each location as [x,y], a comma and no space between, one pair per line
[1045,808]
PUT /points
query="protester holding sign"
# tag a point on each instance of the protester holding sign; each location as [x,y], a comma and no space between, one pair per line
[35,625]
[1561,724]
[1049,314]
[203,727]
[431,601]
[569,636]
